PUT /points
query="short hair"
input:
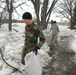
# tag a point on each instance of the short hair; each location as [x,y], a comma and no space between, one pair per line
[54,21]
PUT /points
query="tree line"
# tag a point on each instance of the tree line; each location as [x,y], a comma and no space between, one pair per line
[43,10]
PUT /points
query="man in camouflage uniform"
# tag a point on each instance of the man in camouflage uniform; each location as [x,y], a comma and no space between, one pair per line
[32,33]
[55,31]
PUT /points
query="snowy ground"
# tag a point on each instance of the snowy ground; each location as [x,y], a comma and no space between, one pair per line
[12,43]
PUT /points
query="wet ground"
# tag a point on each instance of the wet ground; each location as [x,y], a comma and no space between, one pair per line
[62,62]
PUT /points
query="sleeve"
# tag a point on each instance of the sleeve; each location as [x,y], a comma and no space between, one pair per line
[41,38]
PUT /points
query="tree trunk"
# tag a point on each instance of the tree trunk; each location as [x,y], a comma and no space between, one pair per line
[42,13]
[71,25]
[10,21]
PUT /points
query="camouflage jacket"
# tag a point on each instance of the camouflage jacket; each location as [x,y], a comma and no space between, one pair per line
[32,33]
[54,29]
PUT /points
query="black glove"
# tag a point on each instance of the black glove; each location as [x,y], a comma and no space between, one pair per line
[36,49]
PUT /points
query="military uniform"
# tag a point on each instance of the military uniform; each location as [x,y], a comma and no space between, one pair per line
[55,31]
[32,32]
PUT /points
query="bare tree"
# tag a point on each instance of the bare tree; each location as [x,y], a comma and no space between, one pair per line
[2,12]
[10,8]
[66,10]
[9,4]
[43,9]
[46,7]
[2,17]
[74,17]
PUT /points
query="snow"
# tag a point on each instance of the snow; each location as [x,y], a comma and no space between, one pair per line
[73,44]
[64,30]
[12,43]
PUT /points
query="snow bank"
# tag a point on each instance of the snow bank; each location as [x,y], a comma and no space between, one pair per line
[73,44]
[12,44]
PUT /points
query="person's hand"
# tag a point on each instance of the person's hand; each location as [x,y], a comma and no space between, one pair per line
[36,49]
[23,61]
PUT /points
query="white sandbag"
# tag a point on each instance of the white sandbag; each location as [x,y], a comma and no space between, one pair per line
[5,71]
[16,73]
[50,34]
[58,38]
[48,37]
[32,65]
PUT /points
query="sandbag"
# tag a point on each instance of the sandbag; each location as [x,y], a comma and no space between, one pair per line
[32,65]
[48,37]
[58,38]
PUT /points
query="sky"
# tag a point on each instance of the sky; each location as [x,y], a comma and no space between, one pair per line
[32,11]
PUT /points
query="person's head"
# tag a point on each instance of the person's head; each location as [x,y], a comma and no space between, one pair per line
[52,22]
[27,17]
[55,22]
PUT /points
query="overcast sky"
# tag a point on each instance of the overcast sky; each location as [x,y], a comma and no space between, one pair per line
[31,10]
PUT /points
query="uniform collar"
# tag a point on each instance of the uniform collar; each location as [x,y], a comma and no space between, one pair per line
[30,26]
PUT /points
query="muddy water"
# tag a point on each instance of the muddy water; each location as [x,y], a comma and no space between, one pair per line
[62,62]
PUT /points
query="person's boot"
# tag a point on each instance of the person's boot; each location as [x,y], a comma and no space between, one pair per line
[51,52]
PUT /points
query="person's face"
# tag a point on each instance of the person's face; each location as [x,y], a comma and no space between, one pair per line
[54,23]
[26,21]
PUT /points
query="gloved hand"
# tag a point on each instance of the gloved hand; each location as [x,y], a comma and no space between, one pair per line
[36,49]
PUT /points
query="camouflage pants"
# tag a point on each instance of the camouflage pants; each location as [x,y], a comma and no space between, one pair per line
[54,39]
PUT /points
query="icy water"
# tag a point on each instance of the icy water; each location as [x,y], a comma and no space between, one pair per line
[60,62]
[63,62]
